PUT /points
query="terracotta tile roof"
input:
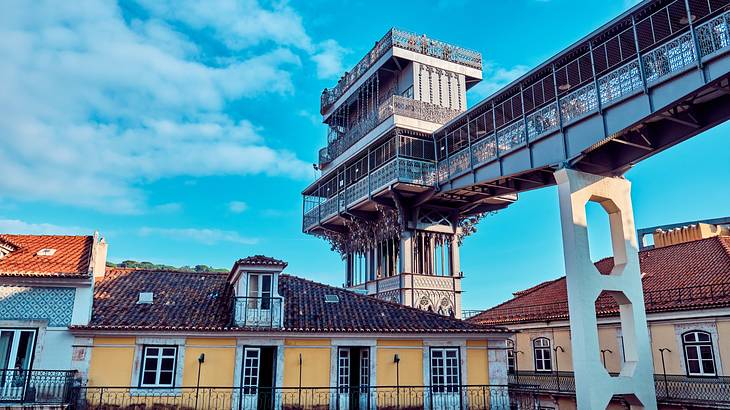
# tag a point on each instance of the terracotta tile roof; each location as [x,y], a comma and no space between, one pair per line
[261,260]
[71,258]
[686,276]
[196,301]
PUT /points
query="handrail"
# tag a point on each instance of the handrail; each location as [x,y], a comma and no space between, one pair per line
[405,40]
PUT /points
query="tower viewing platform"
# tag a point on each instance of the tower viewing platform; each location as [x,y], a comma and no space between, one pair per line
[374,200]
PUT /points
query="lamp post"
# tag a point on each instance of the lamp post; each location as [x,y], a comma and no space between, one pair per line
[396,360]
[557,367]
[603,355]
[664,370]
[517,367]
[201,360]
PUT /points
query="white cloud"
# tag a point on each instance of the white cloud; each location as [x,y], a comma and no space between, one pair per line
[203,236]
[95,106]
[237,206]
[22,227]
[329,59]
[496,77]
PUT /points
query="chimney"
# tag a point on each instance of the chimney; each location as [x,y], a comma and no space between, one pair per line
[98,256]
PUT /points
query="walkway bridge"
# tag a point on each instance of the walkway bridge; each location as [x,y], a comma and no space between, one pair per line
[653,77]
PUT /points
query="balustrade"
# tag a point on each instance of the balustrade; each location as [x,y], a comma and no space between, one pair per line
[405,40]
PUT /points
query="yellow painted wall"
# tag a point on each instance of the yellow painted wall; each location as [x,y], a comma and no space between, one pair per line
[111,361]
[523,343]
[662,335]
[315,362]
[477,365]
[723,336]
[410,353]
[608,340]
[219,366]
[561,337]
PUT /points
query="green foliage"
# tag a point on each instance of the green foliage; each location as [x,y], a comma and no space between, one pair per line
[153,266]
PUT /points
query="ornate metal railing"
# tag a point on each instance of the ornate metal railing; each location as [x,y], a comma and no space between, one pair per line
[407,170]
[447,397]
[35,387]
[704,296]
[257,312]
[670,389]
[393,105]
[405,40]
[655,61]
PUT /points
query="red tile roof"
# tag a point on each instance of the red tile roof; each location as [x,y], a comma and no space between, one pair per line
[686,276]
[261,260]
[203,302]
[71,259]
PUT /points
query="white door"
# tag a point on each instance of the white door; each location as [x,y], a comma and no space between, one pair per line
[250,380]
[445,391]
[364,377]
[343,378]
[16,351]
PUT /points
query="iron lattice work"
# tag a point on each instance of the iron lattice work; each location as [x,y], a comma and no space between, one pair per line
[363,234]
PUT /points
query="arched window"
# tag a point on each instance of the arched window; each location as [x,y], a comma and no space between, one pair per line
[511,366]
[698,354]
[542,354]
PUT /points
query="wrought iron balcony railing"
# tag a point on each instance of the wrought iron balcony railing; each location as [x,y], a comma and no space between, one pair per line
[564,100]
[393,105]
[36,387]
[447,397]
[262,312]
[398,169]
[405,40]
[670,389]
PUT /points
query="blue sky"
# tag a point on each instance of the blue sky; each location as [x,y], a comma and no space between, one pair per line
[184,132]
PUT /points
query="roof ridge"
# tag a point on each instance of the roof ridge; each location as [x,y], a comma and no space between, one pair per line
[161,270]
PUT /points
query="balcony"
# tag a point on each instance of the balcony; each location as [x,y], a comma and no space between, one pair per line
[259,312]
[393,105]
[36,387]
[405,170]
[407,41]
[446,397]
[674,389]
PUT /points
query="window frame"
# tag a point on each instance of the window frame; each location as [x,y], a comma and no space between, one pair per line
[158,371]
[697,346]
[511,357]
[445,387]
[542,360]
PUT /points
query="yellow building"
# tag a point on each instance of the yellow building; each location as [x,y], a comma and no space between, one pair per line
[686,280]
[257,338]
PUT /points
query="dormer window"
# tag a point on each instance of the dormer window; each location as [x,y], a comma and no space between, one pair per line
[259,290]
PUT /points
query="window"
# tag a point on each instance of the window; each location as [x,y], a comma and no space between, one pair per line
[259,291]
[251,359]
[445,369]
[698,353]
[158,366]
[511,357]
[542,353]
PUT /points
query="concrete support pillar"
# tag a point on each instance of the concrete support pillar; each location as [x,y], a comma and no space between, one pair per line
[594,386]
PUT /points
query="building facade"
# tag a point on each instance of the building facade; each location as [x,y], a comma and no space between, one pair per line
[259,338]
[686,280]
[46,286]
[376,200]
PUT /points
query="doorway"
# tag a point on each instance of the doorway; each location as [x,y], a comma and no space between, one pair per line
[16,356]
[258,374]
[353,377]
